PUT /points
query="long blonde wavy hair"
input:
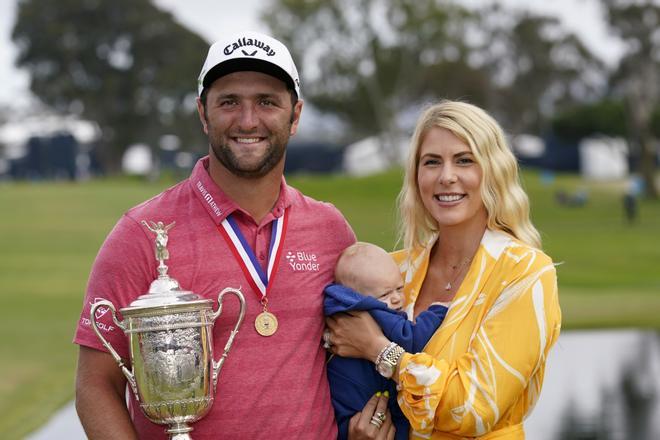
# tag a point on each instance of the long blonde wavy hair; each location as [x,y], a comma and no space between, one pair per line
[505,200]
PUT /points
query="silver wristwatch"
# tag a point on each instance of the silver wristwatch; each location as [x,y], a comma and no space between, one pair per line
[388,359]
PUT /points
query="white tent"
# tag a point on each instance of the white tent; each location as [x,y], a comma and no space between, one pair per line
[366,157]
[604,158]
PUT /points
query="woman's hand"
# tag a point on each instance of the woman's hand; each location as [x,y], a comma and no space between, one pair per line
[361,426]
[355,335]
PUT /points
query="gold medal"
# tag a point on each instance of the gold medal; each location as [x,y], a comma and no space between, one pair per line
[265,323]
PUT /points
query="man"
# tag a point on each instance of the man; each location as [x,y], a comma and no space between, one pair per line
[272,385]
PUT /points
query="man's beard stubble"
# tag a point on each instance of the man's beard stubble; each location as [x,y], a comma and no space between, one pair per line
[229,160]
[224,154]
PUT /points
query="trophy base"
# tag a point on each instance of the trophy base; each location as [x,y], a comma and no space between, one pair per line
[179,431]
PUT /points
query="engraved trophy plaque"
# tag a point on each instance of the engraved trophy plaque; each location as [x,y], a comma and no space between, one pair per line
[173,373]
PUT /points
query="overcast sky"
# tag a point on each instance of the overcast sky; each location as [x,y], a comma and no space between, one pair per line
[211,18]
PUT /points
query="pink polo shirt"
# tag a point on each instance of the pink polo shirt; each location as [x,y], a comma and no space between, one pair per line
[269,387]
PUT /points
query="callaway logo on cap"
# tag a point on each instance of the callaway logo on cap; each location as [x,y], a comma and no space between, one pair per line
[249,51]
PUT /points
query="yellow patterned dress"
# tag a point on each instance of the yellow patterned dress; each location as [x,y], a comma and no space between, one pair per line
[481,372]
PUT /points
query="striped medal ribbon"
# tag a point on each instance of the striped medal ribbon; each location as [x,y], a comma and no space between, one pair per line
[265,322]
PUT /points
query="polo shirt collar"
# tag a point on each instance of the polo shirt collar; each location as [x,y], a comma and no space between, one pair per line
[218,204]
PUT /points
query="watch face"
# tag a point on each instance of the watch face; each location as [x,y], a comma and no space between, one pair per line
[385,369]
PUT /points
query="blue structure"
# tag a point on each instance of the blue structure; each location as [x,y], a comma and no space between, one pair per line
[53,157]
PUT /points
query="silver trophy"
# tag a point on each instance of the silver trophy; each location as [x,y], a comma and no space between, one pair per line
[173,373]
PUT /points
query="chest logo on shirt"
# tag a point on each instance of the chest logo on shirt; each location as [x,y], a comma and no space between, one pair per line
[301,261]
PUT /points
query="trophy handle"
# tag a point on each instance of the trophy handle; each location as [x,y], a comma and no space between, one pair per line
[218,365]
[92,317]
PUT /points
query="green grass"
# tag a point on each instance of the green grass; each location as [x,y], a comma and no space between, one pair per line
[50,233]
[617,307]
[597,248]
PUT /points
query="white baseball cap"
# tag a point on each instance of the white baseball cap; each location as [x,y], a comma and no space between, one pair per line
[249,51]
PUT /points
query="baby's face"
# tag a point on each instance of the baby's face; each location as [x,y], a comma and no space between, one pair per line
[393,298]
[383,281]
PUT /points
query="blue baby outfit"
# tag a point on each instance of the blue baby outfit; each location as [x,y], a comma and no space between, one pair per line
[354,381]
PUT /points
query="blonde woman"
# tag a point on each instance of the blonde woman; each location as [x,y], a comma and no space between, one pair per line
[469,243]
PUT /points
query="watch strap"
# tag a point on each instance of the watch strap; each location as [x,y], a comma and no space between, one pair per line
[388,359]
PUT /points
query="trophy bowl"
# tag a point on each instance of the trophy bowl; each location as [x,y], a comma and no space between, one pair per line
[173,373]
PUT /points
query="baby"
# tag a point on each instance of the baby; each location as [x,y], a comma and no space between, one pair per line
[369,279]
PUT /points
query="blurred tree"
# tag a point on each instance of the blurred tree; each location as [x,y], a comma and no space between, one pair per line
[637,78]
[605,117]
[372,61]
[608,116]
[123,63]
[655,122]
[537,68]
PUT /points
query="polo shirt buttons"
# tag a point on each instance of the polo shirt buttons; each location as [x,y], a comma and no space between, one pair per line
[262,256]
